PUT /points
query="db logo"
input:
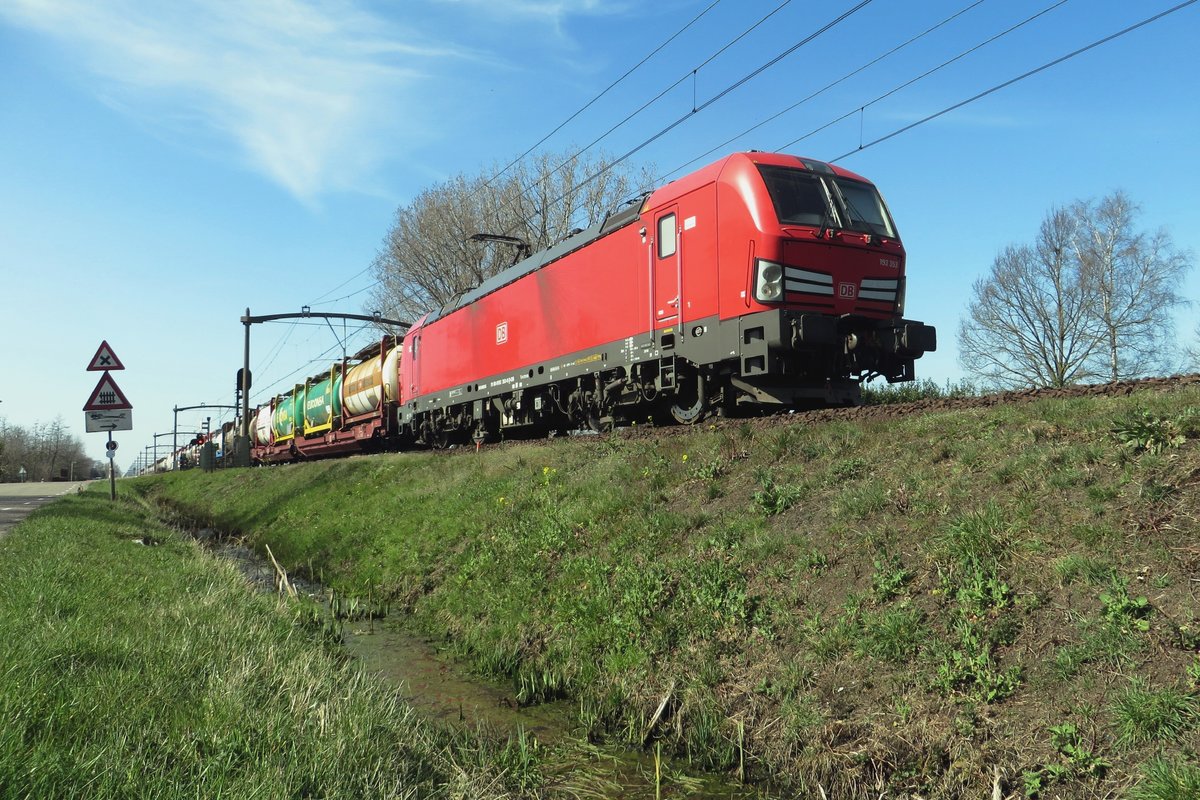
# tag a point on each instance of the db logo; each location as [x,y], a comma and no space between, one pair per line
[847,290]
[502,333]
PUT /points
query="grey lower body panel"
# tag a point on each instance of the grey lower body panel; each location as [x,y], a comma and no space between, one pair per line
[768,359]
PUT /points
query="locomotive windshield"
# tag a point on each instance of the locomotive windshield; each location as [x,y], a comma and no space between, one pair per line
[802,197]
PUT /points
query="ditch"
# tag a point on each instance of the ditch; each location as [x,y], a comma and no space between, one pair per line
[449,693]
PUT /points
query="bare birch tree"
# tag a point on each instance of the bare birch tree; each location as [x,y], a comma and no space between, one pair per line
[1091,300]
[1029,323]
[1137,276]
[428,256]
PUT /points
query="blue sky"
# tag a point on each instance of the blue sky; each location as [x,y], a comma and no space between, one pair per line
[164,166]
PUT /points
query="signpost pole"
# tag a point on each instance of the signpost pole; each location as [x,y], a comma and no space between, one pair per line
[112,471]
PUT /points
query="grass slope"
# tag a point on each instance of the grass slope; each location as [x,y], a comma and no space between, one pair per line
[136,665]
[926,607]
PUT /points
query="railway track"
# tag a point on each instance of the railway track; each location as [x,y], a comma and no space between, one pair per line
[902,410]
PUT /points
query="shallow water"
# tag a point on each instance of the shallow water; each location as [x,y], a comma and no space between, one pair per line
[445,691]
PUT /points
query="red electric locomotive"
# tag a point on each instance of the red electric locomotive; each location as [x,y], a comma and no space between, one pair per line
[763,281]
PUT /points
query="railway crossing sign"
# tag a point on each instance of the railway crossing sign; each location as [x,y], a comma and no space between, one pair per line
[107,396]
[107,409]
[105,359]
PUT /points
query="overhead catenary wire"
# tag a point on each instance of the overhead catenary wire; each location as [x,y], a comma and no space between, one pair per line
[692,74]
[696,109]
[823,89]
[861,108]
[1021,77]
[606,90]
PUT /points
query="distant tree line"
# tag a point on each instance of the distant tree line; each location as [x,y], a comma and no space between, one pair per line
[1092,299]
[46,451]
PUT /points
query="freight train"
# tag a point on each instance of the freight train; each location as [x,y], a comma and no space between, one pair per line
[759,282]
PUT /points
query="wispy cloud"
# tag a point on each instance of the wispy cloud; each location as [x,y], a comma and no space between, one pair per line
[308,92]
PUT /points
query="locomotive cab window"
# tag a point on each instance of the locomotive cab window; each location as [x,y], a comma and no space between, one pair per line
[799,197]
[864,208]
[666,236]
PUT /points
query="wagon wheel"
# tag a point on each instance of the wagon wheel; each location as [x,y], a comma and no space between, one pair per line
[691,402]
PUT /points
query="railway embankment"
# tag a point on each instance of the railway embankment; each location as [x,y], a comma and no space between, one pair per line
[977,599]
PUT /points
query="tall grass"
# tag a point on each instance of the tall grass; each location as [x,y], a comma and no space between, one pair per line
[135,670]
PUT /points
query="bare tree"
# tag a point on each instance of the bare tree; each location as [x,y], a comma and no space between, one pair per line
[1193,352]
[45,451]
[428,256]
[1091,300]
[1029,323]
[1137,277]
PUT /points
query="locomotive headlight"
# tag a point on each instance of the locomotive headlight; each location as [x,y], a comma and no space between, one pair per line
[900,298]
[769,285]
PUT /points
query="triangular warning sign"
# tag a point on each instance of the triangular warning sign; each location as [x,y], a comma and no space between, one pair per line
[107,396]
[105,359]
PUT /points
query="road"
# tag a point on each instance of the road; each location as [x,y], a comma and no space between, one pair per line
[18,499]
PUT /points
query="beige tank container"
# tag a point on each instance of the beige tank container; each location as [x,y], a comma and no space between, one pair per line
[370,383]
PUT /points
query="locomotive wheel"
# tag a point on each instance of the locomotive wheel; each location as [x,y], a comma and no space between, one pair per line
[595,423]
[691,405]
[483,435]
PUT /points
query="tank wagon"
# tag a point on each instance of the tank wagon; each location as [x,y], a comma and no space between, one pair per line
[760,282]
[348,409]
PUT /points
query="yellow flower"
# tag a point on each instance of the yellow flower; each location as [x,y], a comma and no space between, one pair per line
[685,456]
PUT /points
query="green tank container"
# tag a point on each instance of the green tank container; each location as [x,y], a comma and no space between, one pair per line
[322,404]
[283,423]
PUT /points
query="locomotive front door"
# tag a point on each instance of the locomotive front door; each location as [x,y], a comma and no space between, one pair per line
[664,274]
[414,377]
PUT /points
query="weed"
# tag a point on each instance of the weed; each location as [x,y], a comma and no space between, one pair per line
[815,562]
[979,591]
[1038,780]
[1081,760]
[1146,432]
[1142,714]
[889,578]
[968,666]
[1078,760]
[848,469]
[1124,611]
[710,469]
[773,498]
